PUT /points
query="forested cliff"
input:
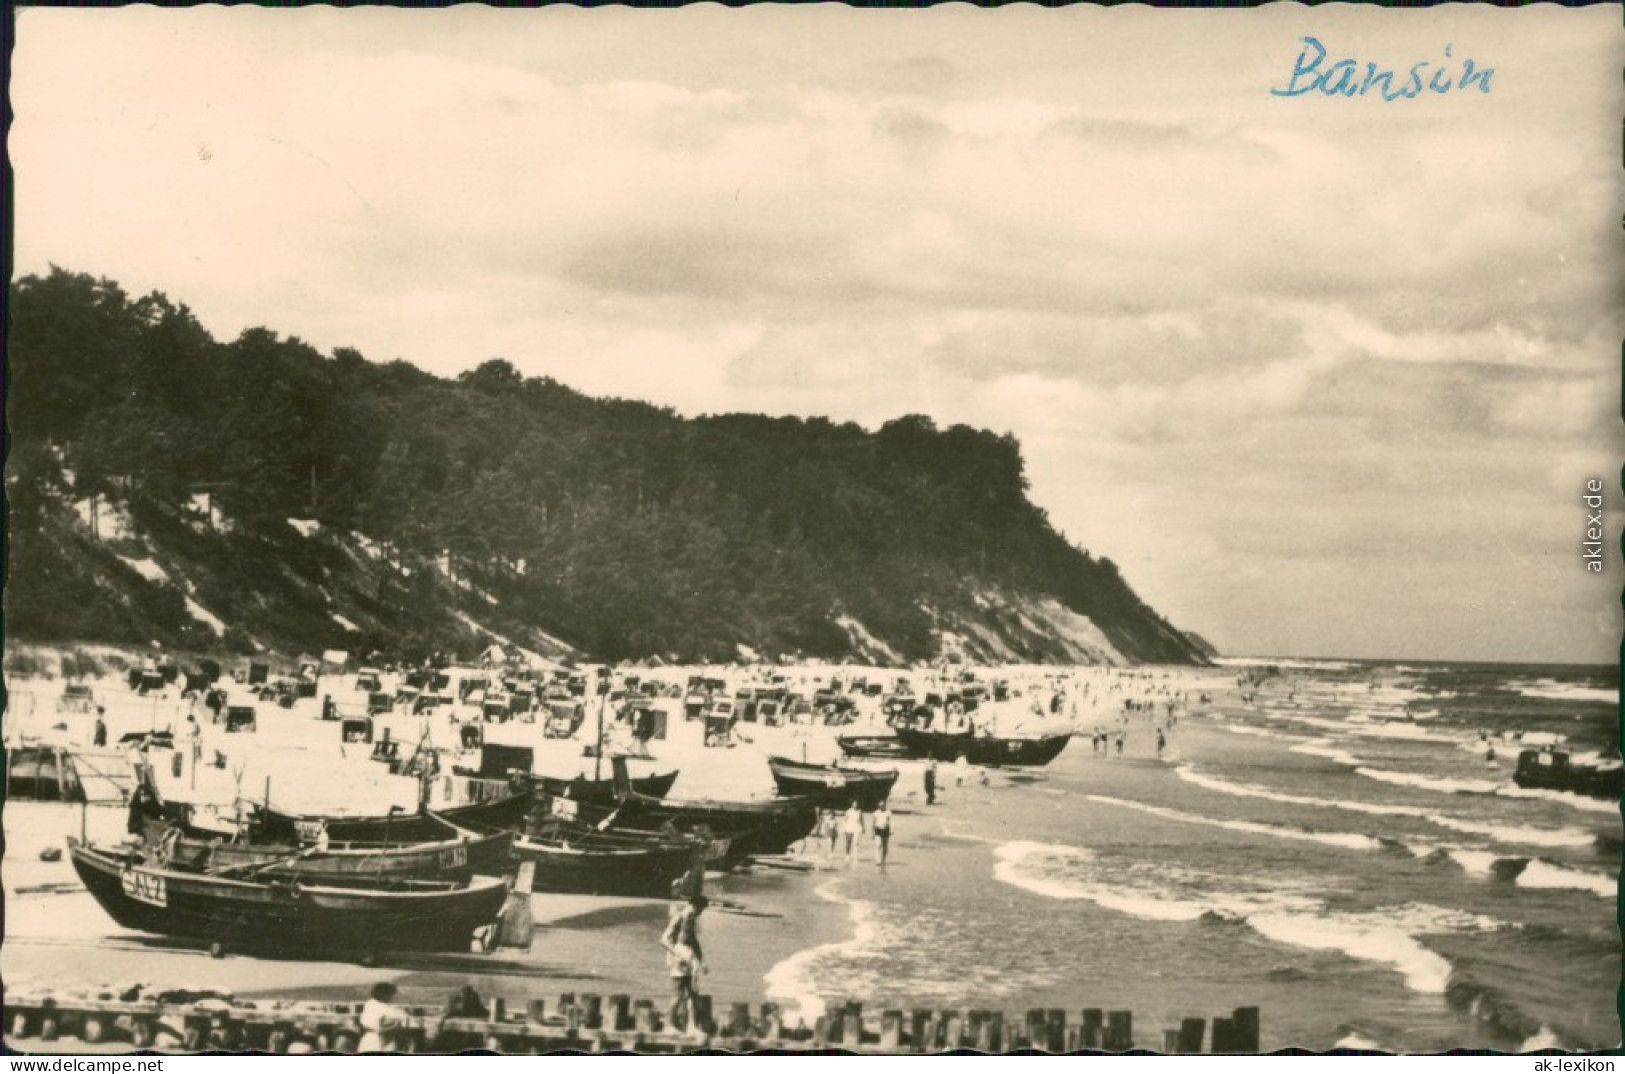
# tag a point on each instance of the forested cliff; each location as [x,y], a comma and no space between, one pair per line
[164,485]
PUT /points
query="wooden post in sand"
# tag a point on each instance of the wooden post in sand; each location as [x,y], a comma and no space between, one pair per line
[922,1030]
[1119,1031]
[1245,1021]
[772,1025]
[852,1025]
[1090,1027]
[891,1030]
[1055,1035]
[1224,1036]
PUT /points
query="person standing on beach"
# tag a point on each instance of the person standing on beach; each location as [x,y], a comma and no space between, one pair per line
[99,736]
[882,832]
[1162,743]
[194,735]
[930,783]
[685,960]
[852,825]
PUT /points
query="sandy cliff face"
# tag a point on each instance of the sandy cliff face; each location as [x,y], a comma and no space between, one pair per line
[204,582]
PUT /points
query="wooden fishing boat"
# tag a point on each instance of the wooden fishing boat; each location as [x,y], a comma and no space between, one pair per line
[1557,770]
[770,826]
[449,857]
[580,860]
[489,858]
[602,791]
[983,749]
[833,786]
[889,747]
[722,851]
[287,916]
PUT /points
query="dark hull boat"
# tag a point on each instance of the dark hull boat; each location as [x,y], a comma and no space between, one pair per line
[287,916]
[582,861]
[733,831]
[1554,770]
[602,791]
[766,827]
[880,746]
[450,857]
[488,858]
[983,749]
[832,786]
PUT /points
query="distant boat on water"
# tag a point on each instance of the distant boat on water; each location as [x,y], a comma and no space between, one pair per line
[1557,770]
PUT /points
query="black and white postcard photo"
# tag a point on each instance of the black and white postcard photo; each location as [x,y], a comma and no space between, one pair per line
[813,529]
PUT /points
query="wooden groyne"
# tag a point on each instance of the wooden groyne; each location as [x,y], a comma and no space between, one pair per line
[590,1023]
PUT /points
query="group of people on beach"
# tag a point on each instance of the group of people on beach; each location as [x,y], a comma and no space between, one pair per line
[853,824]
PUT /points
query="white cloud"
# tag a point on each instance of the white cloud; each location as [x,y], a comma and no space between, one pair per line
[1199,306]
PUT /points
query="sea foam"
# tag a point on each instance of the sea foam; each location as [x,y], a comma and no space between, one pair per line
[1538,837]
[1430,783]
[1423,970]
[1552,690]
[1331,753]
[790,981]
[1345,840]
[1545,874]
[1574,801]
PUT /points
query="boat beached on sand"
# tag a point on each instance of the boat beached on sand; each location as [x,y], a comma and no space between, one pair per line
[572,858]
[449,857]
[601,791]
[833,786]
[889,747]
[989,750]
[364,917]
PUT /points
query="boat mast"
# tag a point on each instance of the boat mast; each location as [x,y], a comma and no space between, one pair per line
[598,749]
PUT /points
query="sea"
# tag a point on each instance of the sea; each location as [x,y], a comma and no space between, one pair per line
[1329,841]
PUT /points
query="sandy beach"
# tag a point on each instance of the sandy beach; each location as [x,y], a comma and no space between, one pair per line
[1318,851]
[594,944]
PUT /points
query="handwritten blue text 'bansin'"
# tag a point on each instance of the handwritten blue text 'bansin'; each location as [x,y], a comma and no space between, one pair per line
[1343,78]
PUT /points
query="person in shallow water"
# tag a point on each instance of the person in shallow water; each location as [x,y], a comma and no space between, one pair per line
[882,832]
[852,826]
[930,783]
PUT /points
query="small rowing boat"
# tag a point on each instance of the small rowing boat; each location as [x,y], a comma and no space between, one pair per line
[833,786]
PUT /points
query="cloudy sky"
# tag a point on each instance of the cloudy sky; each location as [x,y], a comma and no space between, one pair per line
[1325,376]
